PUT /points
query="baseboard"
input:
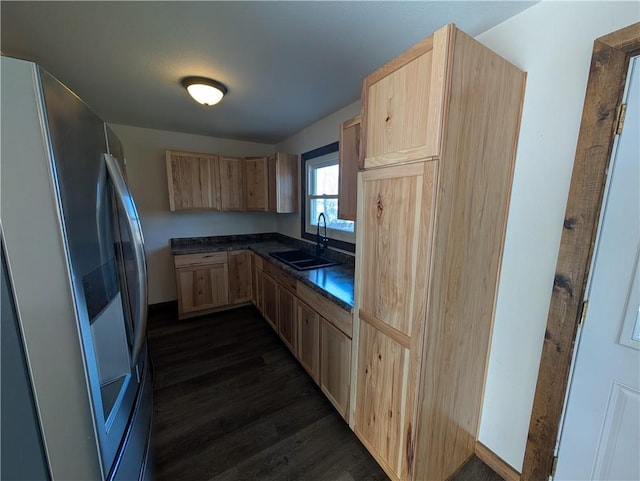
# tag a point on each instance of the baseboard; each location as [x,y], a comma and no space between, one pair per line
[159,308]
[496,463]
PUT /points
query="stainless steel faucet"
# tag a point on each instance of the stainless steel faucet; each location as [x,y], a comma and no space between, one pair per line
[324,241]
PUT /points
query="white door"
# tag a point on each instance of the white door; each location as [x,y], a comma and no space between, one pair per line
[600,435]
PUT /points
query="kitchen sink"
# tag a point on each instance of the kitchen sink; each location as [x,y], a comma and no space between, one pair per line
[302,261]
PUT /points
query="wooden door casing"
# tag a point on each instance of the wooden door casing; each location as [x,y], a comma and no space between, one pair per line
[605,86]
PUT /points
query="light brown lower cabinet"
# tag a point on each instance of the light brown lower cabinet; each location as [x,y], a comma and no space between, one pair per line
[287,326]
[202,282]
[240,285]
[212,281]
[315,329]
[335,366]
[258,291]
[309,340]
[270,300]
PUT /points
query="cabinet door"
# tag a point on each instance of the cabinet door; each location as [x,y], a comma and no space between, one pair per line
[335,366]
[349,164]
[202,287]
[270,300]
[239,277]
[193,181]
[283,179]
[392,306]
[256,183]
[259,290]
[252,272]
[273,188]
[232,183]
[403,103]
[287,325]
[309,340]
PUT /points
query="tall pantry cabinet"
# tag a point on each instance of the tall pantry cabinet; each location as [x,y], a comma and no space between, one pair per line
[439,133]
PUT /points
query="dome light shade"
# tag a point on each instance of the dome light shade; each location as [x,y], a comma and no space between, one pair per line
[204,90]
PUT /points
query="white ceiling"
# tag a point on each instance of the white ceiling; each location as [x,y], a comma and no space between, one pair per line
[286,64]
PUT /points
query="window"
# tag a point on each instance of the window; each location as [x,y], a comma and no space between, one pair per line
[320,195]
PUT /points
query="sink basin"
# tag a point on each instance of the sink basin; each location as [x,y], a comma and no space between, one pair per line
[302,261]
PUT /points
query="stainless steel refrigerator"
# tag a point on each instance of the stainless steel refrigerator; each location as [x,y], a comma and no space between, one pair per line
[74,290]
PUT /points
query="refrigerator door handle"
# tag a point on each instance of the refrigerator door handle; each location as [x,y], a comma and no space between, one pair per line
[126,199]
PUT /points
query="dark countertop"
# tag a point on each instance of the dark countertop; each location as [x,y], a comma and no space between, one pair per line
[335,283]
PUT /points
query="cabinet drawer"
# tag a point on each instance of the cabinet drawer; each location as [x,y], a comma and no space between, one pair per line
[259,262]
[284,279]
[201,258]
[340,318]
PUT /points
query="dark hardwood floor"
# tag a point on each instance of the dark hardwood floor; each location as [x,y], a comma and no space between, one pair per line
[232,403]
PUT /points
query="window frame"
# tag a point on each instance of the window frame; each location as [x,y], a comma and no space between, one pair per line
[338,239]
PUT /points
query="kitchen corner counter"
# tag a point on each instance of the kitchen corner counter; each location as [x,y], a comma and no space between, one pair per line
[336,283]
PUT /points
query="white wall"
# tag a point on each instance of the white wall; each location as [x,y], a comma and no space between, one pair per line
[147,175]
[552,41]
[323,132]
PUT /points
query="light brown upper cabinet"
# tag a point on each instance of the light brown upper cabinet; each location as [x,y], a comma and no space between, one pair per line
[349,165]
[215,182]
[193,181]
[405,103]
[232,183]
[283,183]
[440,125]
[256,184]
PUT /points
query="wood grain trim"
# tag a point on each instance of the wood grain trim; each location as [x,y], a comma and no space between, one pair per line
[475,178]
[607,76]
[399,337]
[626,39]
[201,312]
[169,163]
[404,58]
[496,463]
[406,170]
[351,122]
[440,66]
[364,100]
[284,279]
[383,464]
[398,156]
[340,318]
[200,259]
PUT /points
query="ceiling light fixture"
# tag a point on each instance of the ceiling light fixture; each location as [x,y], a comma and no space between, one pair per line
[204,90]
